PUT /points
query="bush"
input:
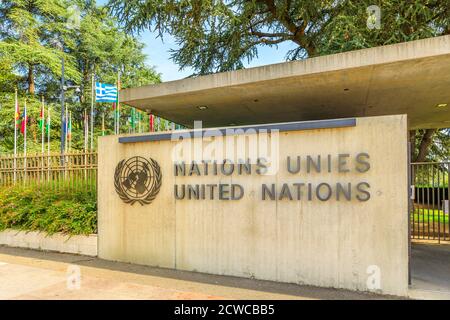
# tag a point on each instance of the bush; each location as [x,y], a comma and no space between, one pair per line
[39,208]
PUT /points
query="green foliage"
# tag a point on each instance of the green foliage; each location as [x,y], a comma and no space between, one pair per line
[33,130]
[440,148]
[219,35]
[39,208]
[29,31]
[7,77]
[30,58]
[400,21]
[430,215]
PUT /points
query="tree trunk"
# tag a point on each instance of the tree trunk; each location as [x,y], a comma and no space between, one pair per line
[30,79]
[424,145]
[412,140]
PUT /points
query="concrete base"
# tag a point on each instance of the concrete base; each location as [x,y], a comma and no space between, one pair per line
[84,245]
[430,264]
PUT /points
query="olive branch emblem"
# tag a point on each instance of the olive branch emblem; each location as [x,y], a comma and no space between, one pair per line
[137,179]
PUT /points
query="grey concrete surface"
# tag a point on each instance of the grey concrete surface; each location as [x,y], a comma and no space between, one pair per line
[406,78]
[29,274]
[430,266]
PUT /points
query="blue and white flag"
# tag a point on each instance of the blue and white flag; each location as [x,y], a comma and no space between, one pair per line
[105,92]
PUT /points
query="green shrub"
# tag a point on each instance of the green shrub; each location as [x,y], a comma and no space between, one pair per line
[39,208]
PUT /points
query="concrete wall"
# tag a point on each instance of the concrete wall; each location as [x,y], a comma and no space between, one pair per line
[325,243]
[78,244]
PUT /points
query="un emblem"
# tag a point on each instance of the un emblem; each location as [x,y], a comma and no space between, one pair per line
[137,179]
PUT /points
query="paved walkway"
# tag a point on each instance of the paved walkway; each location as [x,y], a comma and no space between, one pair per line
[29,274]
[430,267]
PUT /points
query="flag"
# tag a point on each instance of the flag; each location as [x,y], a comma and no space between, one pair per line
[17,115]
[48,132]
[41,117]
[117,110]
[23,123]
[69,128]
[42,125]
[23,129]
[132,118]
[47,127]
[151,120]
[64,133]
[157,123]
[105,92]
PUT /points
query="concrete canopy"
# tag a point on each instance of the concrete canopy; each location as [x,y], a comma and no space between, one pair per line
[410,78]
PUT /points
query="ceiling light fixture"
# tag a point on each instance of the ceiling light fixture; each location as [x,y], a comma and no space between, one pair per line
[202,107]
[441,105]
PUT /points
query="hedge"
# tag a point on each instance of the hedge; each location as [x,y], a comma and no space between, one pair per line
[39,208]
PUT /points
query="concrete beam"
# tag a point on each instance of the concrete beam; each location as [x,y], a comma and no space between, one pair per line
[406,78]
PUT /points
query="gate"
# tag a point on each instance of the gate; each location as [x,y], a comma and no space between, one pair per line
[429,216]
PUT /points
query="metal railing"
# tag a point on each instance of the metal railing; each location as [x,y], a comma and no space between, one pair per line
[429,214]
[71,171]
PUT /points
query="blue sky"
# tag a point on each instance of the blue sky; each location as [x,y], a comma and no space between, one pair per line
[158,55]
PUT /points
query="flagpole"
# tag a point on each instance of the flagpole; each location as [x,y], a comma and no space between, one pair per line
[133,124]
[92,113]
[70,130]
[48,143]
[42,125]
[48,130]
[139,122]
[86,131]
[42,120]
[86,139]
[118,104]
[103,123]
[65,131]
[25,142]
[115,116]
[16,115]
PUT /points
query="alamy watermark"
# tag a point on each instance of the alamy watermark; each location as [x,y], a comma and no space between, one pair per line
[74,17]
[73,280]
[230,145]
[373,17]
[373,282]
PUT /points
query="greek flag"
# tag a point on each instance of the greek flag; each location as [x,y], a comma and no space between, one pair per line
[105,92]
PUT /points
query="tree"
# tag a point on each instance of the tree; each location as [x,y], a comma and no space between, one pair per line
[215,35]
[28,31]
[30,61]
[101,49]
[7,77]
[430,145]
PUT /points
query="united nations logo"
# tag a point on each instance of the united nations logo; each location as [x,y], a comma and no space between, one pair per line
[137,180]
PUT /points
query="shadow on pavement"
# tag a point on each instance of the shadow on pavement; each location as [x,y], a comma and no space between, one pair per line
[304,291]
[430,266]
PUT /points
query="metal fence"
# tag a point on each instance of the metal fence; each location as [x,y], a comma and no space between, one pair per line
[430,201]
[71,171]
